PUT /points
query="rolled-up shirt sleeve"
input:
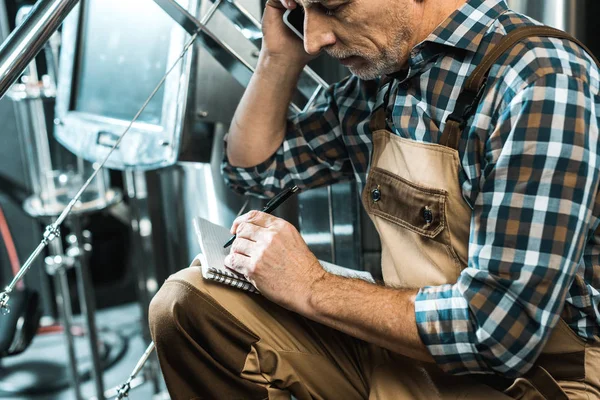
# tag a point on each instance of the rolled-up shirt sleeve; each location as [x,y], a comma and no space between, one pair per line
[313,152]
[530,224]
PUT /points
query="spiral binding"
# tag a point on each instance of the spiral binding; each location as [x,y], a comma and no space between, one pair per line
[231,279]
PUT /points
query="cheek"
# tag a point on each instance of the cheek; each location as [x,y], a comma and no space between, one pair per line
[355,34]
[364,27]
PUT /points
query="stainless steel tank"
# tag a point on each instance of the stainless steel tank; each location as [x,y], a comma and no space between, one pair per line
[568,15]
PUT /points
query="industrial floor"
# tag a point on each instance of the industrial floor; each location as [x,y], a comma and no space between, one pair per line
[42,367]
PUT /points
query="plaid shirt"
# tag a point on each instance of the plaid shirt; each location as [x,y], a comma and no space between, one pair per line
[530,172]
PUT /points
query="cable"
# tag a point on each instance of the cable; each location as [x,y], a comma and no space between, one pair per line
[11,250]
[52,231]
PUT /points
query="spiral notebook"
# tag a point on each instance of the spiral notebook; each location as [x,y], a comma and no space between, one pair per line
[211,261]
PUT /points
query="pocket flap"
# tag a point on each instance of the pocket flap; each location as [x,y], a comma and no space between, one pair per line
[397,200]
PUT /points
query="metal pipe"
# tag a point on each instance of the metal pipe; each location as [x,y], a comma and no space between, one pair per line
[4,28]
[29,38]
[65,310]
[56,266]
[123,390]
[87,302]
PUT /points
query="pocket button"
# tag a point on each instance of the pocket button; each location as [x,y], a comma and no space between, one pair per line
[376,195]
[428,215]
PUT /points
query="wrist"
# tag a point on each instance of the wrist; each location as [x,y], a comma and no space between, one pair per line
[280,65]
[316,293]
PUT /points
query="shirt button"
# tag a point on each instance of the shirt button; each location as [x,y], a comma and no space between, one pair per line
[376,195]
[428,215]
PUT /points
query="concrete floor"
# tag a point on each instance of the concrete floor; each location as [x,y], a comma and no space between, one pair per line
[43,364]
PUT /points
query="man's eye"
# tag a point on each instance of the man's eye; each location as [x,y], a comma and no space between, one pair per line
[330,11]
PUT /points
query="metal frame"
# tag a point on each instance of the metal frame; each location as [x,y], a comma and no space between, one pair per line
[157,146]
[78,131]
[27,40]
[4,30]
[310,84]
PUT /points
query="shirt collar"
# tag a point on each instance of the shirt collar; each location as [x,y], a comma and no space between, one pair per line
[465,28]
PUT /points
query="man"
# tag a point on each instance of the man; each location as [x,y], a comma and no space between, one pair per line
[488,219]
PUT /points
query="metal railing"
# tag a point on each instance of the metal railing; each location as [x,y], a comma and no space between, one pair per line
[26,41]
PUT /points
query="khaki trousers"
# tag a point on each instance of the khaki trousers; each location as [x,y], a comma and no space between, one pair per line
[216,342]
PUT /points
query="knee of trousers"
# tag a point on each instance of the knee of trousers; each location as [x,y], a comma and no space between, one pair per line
[177,307]
[201,347]
[184,314]
[178,300]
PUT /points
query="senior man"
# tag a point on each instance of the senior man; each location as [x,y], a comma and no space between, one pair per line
[486,204]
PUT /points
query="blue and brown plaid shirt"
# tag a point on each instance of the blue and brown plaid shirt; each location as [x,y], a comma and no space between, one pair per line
[530,172]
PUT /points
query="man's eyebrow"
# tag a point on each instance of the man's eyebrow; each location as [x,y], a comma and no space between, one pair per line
[309,3]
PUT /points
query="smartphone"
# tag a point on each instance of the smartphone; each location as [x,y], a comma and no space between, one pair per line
[294,19]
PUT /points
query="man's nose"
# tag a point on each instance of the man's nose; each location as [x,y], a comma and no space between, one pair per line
[317,33]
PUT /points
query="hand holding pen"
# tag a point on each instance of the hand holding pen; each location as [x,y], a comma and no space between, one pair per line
[271,206]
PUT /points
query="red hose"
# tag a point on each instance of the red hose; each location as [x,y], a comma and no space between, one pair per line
[11,250]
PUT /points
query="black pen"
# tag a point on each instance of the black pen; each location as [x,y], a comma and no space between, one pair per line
[271,206]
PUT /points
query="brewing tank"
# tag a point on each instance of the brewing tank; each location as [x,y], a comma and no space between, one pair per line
[568,15]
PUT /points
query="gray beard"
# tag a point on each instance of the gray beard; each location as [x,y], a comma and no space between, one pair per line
[387,62]
[374,70]
[373,67]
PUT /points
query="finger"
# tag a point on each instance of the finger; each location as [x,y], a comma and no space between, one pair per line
[277,4]
[247,230]
[243,246]
[258,218]
[238,263]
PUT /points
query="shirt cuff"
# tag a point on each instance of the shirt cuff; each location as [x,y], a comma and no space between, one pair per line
[247,180]
[443,322]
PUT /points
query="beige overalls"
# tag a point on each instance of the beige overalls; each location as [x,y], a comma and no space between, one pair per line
[215,342]
[414,198]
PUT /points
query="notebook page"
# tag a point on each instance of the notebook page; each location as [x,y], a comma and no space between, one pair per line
[212,238]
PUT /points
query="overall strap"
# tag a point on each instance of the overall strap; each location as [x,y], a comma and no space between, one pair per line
[469,98]
[379,116]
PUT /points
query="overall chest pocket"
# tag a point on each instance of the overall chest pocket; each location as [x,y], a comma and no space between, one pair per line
[417,248]
[417,208]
